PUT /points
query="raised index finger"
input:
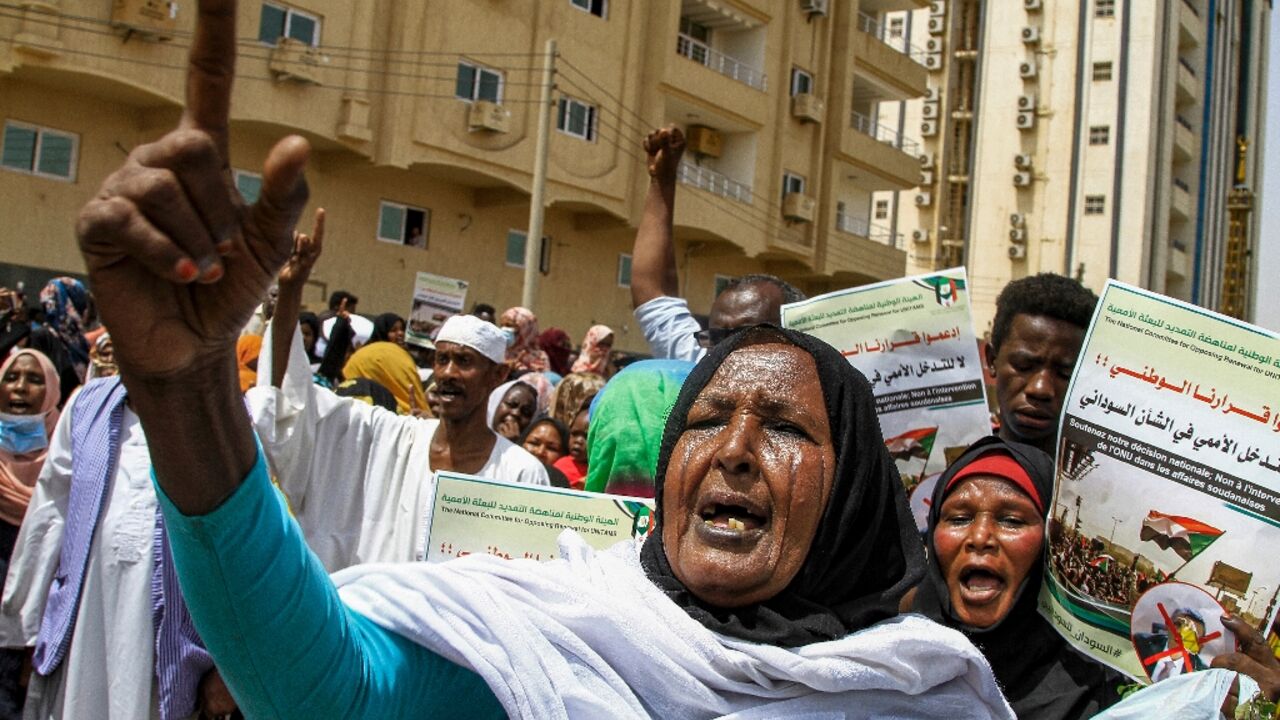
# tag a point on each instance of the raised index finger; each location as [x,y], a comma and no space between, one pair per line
[211,66]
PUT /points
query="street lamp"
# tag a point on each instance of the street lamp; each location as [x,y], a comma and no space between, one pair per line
[1111,542]
[1260,590]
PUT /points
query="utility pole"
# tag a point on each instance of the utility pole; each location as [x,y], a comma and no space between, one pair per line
[537,200]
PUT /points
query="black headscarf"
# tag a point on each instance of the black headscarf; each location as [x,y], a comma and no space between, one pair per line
[382,326]
[312,321]
[1041,675]
[866,553]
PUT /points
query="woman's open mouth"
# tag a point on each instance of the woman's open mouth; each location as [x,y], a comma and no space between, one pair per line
[725,518]
[981,585]
[19,406]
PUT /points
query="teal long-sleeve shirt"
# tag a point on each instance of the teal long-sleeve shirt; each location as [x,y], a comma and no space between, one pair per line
[281,637]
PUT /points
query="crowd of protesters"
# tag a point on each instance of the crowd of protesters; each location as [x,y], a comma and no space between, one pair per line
[217,508]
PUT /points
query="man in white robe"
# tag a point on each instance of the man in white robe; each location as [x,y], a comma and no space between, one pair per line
[360,479]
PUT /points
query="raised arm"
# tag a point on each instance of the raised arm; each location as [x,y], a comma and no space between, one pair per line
[178,263]
[292,280]
[653,259]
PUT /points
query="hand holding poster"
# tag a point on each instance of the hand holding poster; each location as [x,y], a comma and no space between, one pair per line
[913,340]
[475,515]
[1166,507]
[435,299]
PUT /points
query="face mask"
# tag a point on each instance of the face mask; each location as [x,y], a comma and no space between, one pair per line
[510,334]
[20,434]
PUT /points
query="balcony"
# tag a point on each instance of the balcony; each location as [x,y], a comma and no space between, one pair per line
[703,54]
[714,183]
[1184,139]
[891,63]
[1179,262]
[1188,86]
[881,152]
[1181,201]
[857,259]
[865,229]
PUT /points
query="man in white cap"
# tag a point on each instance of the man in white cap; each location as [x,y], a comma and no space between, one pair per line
[360,479]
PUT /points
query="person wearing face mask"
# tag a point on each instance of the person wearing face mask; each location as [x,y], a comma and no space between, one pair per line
[520,326]
[29,394]
[986,557]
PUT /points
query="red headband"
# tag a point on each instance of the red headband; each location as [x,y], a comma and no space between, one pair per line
[1002,465]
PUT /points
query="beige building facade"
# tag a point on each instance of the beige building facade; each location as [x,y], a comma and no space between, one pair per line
[423,117]
[1101,139]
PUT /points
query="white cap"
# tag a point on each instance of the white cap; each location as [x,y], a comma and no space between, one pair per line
[470,331]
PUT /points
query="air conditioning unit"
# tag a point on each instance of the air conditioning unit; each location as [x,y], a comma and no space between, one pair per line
[1032,5]
[929,111]
[933,45]
[920,236]
[932,94]
[937,8]
[937,25]
[926,161]
[1026,120]
[933,61]
[1018,220]
[1017,235]
[1017,252]
[489,117]
[808,108]
[926,178]
[1022,161]
[1027,70]
[1031,35]
[1027,102]
[798,207]
[928,128]
[1022,179]
[924,199]
[702,140]
[814,7]
[151,19]
[295,61]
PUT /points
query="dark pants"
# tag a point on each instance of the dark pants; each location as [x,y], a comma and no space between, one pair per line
[12,694]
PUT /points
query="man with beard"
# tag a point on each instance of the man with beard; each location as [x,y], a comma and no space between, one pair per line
[359,478]
[1037,333]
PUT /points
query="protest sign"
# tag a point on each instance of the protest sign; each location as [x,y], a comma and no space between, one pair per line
[512,520]
[435,299]
[913,340]
[1166,507]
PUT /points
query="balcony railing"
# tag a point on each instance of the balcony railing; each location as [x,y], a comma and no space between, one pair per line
[883,133]
[872,27]
[715,183]
[864,228]
[703,54]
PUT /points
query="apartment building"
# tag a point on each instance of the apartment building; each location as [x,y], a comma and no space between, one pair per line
[1106,138]
[424,120]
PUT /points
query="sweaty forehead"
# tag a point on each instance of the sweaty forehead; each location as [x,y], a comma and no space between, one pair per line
[1042,334]
[747,305]
[772,374]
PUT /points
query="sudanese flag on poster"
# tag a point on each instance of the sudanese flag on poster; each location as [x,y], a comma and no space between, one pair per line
[912,443]
[1186,536]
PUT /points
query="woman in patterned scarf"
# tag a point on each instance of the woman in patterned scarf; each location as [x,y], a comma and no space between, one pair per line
[524,353]
[596,348]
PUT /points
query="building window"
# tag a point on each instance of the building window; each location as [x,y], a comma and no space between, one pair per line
[278,21]
[801,82]
[577,119]
[882,209]
[792,183]
[478,83]
[1102,71]
[40,150]
[249,184]
[1095,204]
[516,243]
[403,224]
[721,282]
[624,270]
[1104,8]
[595,7]
[896,27]
[1099,134]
